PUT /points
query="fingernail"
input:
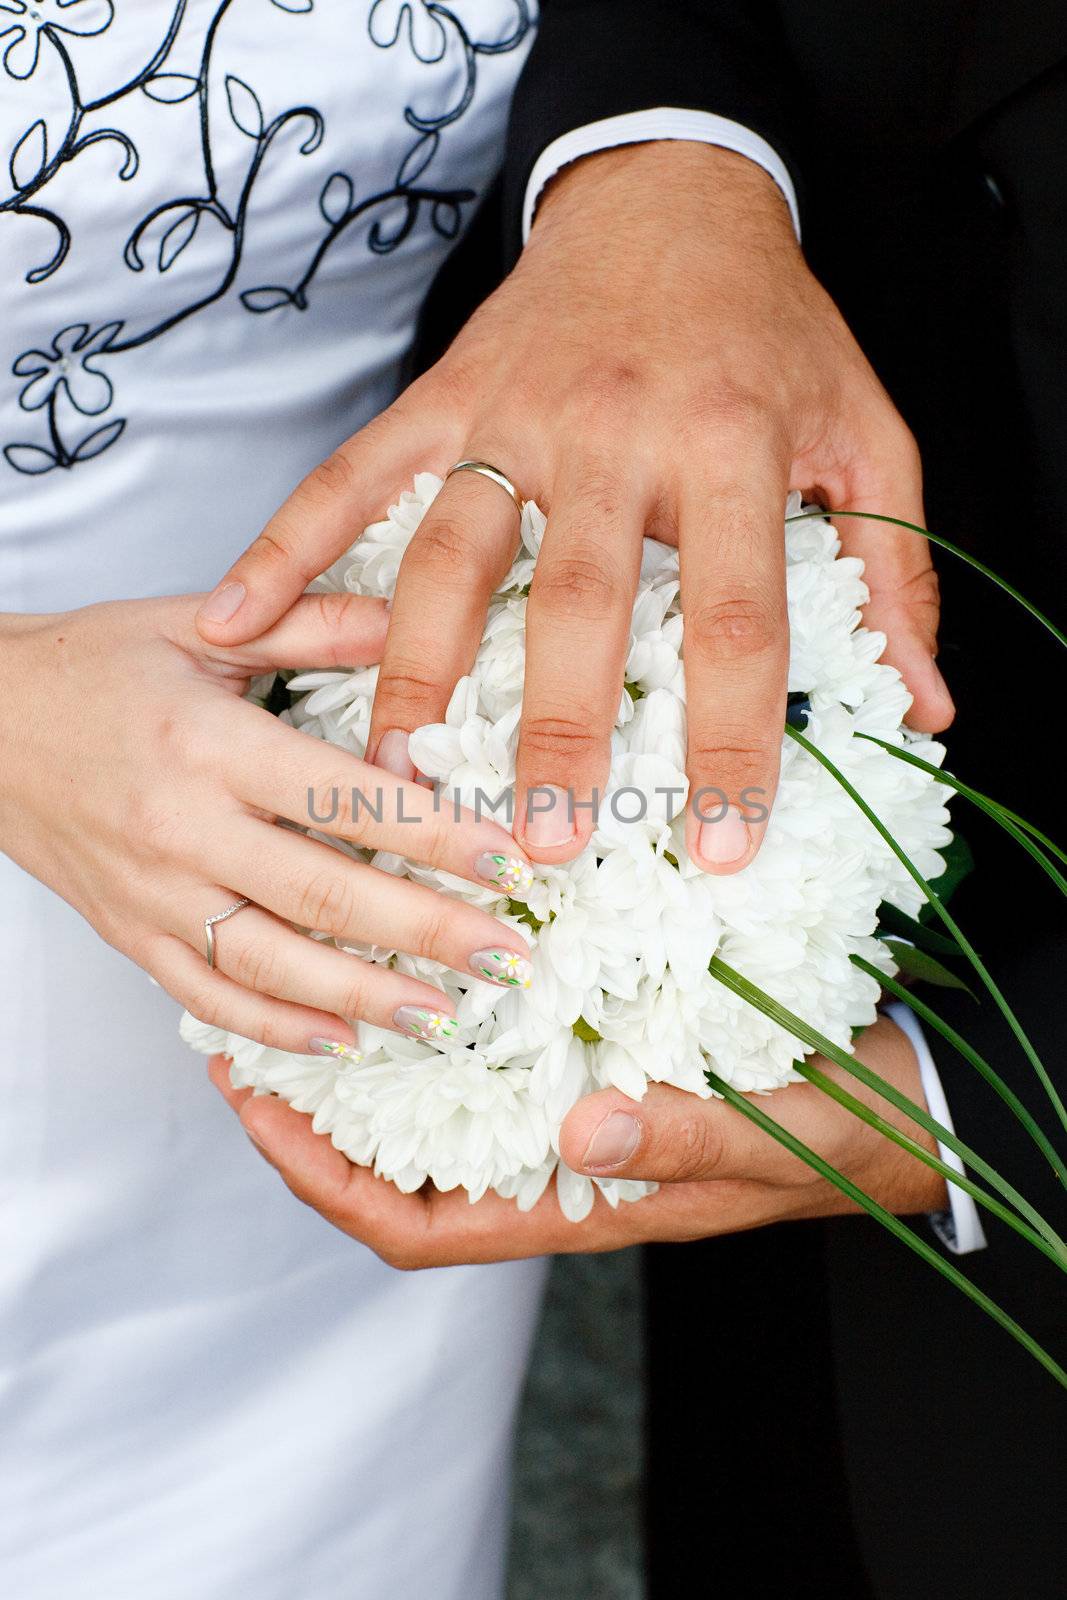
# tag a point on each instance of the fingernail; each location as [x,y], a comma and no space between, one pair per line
[549,818]
[505,967]
[223,603]
[613,1142]
[423,1024]
[725,840]
[507,873]
[254,1139]
[392,754]
[334,1047]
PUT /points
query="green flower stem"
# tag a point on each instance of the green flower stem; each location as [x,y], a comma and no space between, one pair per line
[945,544]
[1028,827]
[1022,831]
[896,1136]
[958,1042]
[946,917]
[893,1224]
[738,984]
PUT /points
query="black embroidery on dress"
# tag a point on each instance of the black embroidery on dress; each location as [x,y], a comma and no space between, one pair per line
[68,365]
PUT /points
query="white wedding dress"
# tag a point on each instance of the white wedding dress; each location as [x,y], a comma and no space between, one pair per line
[223,222]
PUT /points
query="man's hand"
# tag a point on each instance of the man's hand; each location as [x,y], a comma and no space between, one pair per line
[718,1173]
[661,362]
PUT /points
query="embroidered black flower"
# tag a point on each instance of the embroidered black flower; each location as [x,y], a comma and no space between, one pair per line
[67,370]
[31,18]
[68,365]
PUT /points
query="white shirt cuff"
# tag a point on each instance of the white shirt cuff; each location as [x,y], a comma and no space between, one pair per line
[959,1229]
[641,127]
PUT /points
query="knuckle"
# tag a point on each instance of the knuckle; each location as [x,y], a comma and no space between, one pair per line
[898,443]
[202,1001]
[608,387]
[352,1000]
[157,828]
[693,1150]
[445,545]
[271,548]
[732,410]
[333,615]
[257,965]
[328,902]
[566,737]
[332,479]
[267,1030]
[734,629]
[403,1255]
[577,586]
[406,690]
[433,929]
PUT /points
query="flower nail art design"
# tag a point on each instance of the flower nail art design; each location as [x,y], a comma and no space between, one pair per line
[505,967]
[422,1024]
[334,1047]
[511,876]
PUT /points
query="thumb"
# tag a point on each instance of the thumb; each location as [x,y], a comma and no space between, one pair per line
[319,630]
[316,525]
[668,1137]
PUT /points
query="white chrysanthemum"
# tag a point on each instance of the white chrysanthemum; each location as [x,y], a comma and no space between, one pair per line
[622,938]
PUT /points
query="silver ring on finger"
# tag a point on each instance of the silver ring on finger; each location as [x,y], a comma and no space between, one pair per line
[494,474]
[209,928]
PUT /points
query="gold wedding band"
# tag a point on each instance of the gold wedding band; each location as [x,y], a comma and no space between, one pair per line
[494,475]
[209,928]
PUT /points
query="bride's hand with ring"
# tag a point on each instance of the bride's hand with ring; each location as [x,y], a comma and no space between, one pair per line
[137,783]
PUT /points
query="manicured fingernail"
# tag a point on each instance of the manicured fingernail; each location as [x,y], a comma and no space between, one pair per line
[223,604]
[392,754]
[507,873]
[334,1047]
[725,840]
[613,1142]
[423,1024]
[505,967]
[549,816]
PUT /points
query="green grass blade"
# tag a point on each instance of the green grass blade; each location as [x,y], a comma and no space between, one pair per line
[864,1113]
[888,1221]
[926,1014]
[944,544]
[1022,831]
[738,984]
[946,917]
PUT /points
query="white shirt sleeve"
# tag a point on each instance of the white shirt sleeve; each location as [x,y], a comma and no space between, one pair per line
[641,127]
[959,1229]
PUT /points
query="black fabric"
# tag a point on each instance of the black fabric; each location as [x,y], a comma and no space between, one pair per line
[607,57]
[825,1415]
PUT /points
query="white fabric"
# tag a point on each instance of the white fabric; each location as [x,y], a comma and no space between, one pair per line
[642,127]
[206,1393]
[960,1228]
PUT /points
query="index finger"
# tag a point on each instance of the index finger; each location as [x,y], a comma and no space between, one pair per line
[320,519]
[285,773]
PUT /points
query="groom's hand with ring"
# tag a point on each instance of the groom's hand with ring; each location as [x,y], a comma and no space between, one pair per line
[660,362]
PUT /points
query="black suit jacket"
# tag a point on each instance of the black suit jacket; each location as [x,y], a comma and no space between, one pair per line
[826,1417]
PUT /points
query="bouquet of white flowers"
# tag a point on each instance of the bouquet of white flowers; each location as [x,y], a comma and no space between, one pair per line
[623,991]
[645,969]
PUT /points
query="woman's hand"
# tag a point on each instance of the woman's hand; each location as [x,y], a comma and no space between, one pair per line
[717,1172]
[660,361]
[138,784]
